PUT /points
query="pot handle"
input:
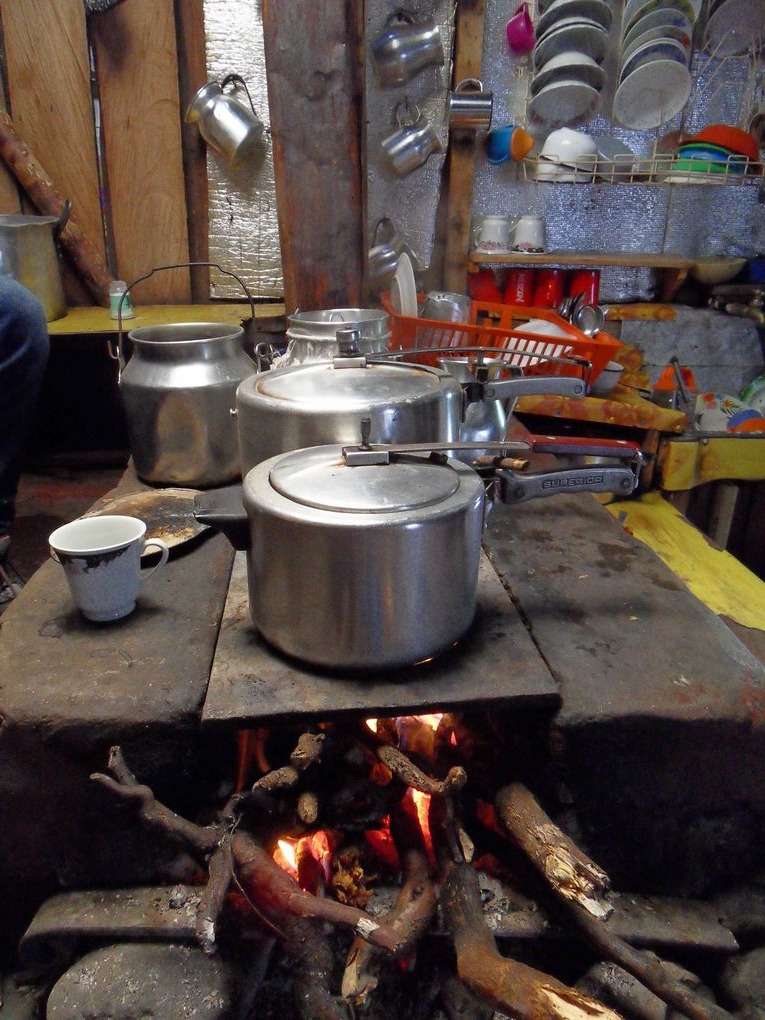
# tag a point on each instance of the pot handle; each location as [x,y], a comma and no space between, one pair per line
[620,479]
[116,350]
[63,219]
[224,509]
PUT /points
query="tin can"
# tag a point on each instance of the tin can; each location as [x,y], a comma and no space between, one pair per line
[587,282]
[548,288]
[519,286]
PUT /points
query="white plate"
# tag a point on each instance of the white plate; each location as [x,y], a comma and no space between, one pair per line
[664,17]
[662,49]
[653,35]
[636,9]
[734,27]
[579,34]
[569,66]
[652,95]
[595,10]
[563,102]
[403,289]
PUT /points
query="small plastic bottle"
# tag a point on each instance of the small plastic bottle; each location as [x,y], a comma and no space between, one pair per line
[116,290]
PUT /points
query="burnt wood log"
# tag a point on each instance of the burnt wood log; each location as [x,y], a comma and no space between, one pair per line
[405,770]
[571,877]
[506,984]
[38,185]
[562,864]
[269,890]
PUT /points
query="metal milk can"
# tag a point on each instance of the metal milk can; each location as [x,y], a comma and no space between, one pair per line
[178,390]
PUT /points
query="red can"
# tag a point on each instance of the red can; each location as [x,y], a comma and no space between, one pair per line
[549,287]
[587,282]
[482,286]
[519,286]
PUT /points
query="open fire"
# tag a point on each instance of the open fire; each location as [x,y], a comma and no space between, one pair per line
[368,871]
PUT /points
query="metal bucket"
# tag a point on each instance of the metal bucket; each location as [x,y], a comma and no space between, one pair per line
[28,253]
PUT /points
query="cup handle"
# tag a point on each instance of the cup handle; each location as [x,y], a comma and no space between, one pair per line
[164,553]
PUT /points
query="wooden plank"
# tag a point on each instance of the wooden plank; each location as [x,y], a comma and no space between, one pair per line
[468,51]
[99,321]
[192,73]
[583,259]
[315,97]
[684,464]
[49,98]
[137,70]
[496,663]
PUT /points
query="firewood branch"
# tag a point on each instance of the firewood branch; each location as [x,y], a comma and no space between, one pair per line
[508,985]
[201,840]
[577,883]
[562,864]
[39,187]
[407,772]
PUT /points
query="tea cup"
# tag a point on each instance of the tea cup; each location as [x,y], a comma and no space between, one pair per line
[528,234]
[101,558]
[492,234]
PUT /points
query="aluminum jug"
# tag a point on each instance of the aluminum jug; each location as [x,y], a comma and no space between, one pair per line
[178,390]
[29,253]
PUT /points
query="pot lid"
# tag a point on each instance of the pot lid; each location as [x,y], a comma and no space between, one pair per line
[319,477]
[322,385]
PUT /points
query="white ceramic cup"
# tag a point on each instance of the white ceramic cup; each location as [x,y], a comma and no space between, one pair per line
[493,233]
[529,234]
[101,557]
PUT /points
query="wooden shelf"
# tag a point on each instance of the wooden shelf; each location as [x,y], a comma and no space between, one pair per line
[99,320]
[675,268]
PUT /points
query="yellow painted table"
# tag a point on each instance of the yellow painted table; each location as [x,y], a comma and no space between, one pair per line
[98,320]
[692,460]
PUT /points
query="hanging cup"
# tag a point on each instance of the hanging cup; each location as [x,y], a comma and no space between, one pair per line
[470,108]
[231,128]
[383,256]
[405,47]
[412,144]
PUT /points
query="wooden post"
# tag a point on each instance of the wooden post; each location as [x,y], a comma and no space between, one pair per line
[315,76]
[468,52]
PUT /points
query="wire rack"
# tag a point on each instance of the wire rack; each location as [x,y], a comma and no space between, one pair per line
[737,171]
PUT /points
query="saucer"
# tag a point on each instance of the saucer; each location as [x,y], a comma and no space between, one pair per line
[652,94]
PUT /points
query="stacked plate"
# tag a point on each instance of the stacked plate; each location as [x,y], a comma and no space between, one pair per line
[734,26]
[716,149]
[654,80]
[572,40]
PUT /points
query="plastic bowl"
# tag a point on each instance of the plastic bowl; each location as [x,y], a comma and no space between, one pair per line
[705,166]
[711,270]
[729,137]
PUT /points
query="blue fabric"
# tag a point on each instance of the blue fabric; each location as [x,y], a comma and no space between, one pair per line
[24,346]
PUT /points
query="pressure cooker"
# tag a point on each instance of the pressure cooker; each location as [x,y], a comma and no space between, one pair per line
[365,557]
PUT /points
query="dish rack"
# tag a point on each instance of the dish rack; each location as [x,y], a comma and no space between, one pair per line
[557,349]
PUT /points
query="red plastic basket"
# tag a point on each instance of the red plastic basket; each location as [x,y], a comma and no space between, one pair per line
[561,349]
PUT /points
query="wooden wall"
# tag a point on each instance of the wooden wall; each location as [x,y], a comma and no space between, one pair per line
[142,204]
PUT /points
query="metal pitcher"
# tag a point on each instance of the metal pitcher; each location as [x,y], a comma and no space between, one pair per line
[29,253]
[178,389]
[225,123]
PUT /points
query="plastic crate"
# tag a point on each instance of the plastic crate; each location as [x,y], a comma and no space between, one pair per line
[560,350]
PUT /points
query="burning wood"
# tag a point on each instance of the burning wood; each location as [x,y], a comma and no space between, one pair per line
[416,821]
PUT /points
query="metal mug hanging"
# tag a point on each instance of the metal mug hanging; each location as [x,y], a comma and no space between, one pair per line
[225,123]
[405,47]
[470,108]
[412,143]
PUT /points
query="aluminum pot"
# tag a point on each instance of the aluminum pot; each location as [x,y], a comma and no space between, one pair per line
[323,402]
[312,336]
[178,390]
[366,557]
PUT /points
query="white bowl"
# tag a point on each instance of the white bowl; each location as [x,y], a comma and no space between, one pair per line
[607,379]
[567,145]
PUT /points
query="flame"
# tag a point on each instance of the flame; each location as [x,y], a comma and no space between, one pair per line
[285,856]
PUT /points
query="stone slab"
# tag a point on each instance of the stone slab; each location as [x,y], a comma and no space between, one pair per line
[496,664]
[723,351]
[661,730]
